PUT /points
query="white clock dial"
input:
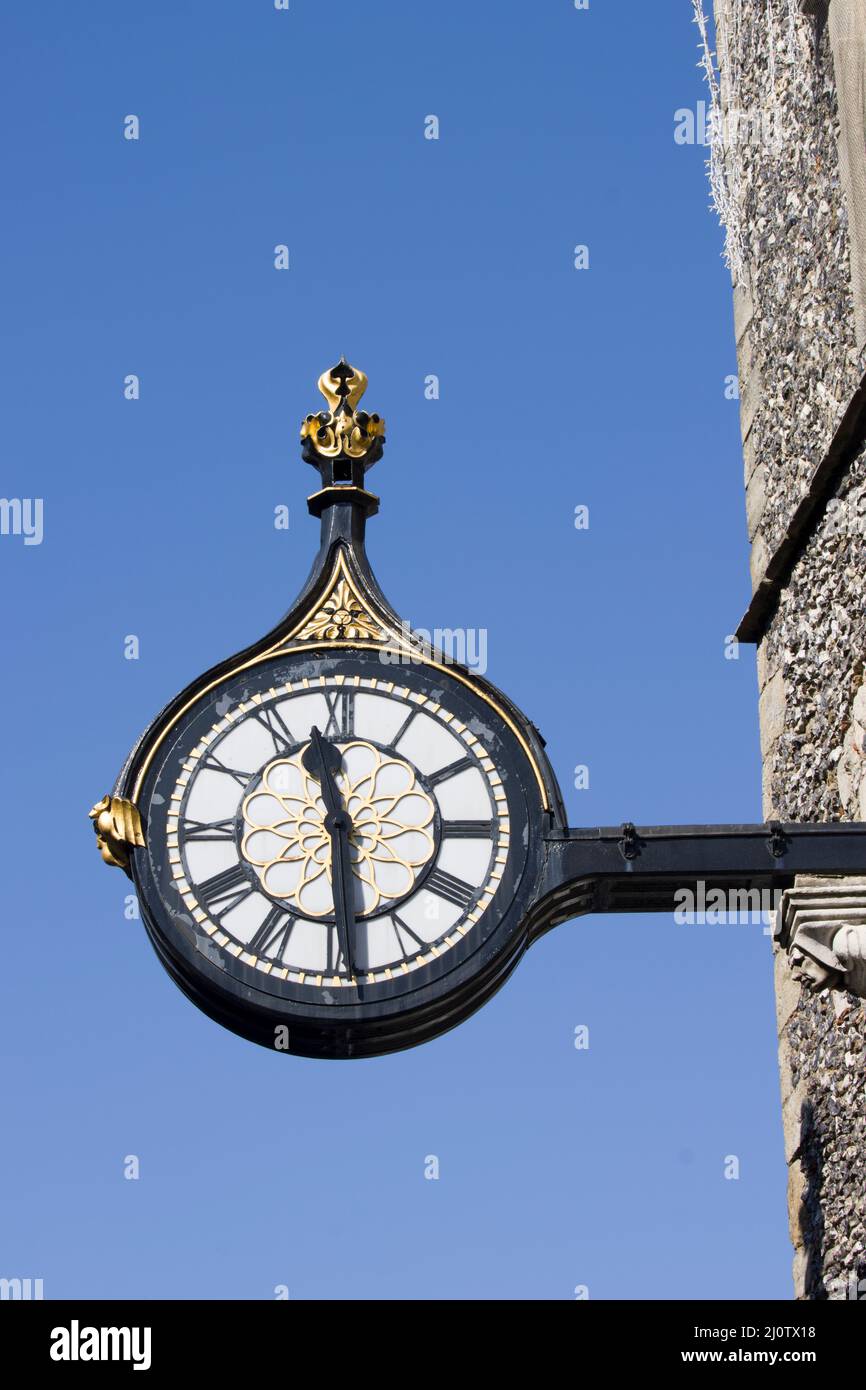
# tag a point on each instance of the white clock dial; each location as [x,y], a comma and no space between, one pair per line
[251,850]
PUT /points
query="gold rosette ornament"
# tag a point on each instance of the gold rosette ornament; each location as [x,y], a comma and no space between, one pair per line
[342,616]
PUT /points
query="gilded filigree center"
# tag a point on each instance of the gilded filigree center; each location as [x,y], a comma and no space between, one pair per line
[287,842]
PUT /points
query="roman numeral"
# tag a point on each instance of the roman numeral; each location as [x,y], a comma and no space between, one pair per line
[276,727]
[273,935]
[213,764]
[225,890]
[434,778]
[207,829]
[452,889]
[341,713]
[403,727]
[401,926]
[335,962]
[468,829]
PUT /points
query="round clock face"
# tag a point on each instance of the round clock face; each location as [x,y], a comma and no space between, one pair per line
[245,889]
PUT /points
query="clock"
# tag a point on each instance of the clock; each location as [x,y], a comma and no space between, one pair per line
[336,836]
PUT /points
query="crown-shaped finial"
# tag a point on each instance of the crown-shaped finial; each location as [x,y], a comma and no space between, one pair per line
[341,431]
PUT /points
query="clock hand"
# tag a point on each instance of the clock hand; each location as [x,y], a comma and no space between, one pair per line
[322,759]
[343,886]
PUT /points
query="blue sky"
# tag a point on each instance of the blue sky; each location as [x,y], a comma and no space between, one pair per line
[603,387]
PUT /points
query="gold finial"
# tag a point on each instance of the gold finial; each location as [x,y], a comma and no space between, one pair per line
[118,825]
[341,431]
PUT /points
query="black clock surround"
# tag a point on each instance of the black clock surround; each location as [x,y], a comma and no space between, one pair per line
[368,1017]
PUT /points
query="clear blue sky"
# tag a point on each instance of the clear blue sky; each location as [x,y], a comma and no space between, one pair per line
[603,387]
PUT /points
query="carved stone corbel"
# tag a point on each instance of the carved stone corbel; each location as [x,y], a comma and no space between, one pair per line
[821,923]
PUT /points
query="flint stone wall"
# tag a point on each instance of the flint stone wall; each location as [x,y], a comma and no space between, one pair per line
[799,366]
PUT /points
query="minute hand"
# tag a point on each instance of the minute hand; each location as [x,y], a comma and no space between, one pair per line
[322,758]
[341,873]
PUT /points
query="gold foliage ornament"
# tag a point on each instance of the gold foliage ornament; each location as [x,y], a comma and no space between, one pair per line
[342,618]
[118,825]
[341,431]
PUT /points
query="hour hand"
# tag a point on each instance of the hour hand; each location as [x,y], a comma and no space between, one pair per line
[323,760]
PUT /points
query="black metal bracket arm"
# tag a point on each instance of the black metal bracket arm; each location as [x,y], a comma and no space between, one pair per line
[645,869]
